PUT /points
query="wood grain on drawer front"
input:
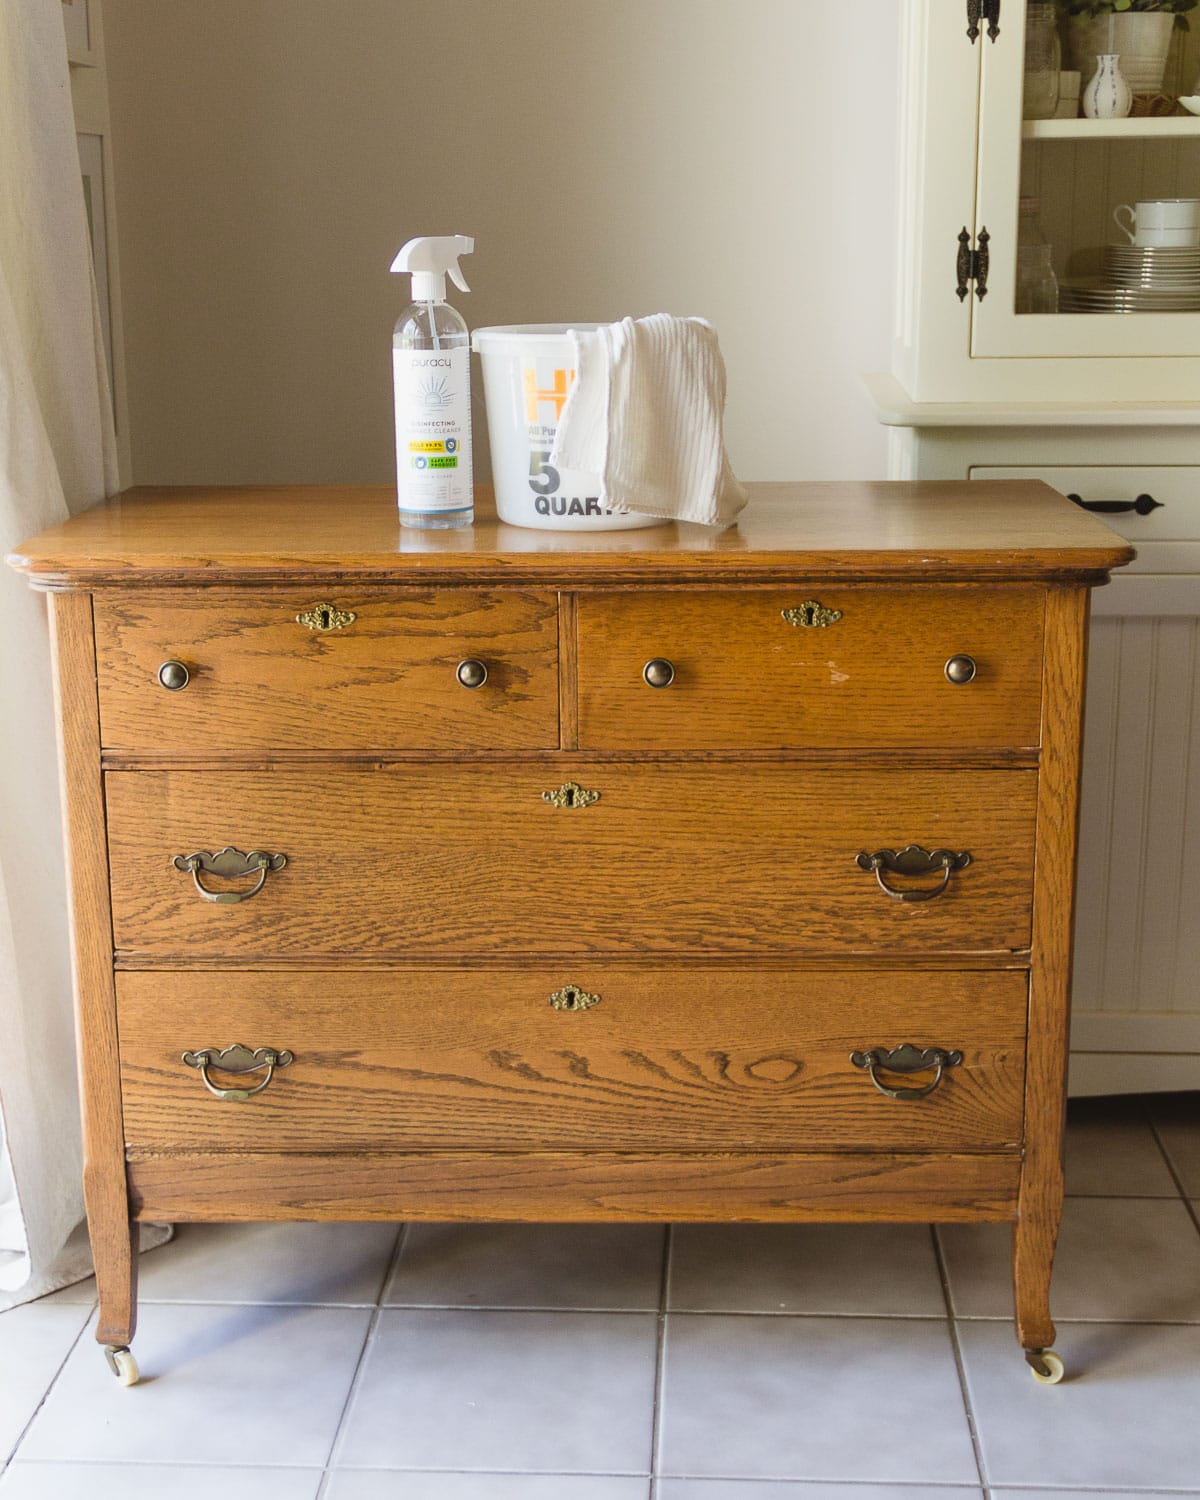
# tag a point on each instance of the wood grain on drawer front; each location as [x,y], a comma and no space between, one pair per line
[587,1187]
[387,680]
[412,859]
[745,678]
[715,1059]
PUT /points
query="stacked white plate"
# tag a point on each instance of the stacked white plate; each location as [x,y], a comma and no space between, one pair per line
[1148,268]
[1138,278]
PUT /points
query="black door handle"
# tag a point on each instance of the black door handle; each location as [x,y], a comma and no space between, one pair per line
[1142,506]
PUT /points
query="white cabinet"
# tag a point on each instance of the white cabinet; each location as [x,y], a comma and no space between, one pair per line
[1136,1020]
[968,159]
[1105,406]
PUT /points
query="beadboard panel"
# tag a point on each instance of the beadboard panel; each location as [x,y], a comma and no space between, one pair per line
[1137,944]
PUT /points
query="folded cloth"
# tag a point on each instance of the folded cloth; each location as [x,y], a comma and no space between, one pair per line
[645,413]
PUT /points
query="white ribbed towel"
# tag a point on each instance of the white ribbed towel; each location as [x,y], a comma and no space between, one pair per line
[645,414]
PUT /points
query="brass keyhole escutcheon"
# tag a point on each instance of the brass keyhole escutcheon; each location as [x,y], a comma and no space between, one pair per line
[571,997]
[326,617]
[811,615]
[571,794]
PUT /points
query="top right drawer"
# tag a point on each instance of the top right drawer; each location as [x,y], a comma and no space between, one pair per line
[810,668]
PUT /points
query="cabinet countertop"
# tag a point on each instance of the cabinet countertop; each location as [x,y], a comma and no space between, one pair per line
[884,530]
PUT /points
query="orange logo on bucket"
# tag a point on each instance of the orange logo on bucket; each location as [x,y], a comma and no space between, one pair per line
[534,396]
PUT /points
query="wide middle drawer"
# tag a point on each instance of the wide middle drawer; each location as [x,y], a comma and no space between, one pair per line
[617,858]
[691,1058]
[354,669]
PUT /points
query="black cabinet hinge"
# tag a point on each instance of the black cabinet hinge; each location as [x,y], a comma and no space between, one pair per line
[972,264]
[983,10]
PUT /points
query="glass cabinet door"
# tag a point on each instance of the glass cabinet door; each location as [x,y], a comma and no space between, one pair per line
[1063,280]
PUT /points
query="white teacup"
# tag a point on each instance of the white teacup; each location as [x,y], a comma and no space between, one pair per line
[1161,221]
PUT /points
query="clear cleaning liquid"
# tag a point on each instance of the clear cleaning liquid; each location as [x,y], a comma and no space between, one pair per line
[431,366]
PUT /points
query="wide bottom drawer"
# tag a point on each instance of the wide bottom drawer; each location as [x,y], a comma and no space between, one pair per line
[582,1056]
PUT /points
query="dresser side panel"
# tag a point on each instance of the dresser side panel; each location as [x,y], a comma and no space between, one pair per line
[1050,977]
[112,1234]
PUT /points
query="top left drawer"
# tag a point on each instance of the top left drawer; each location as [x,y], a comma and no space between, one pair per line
[327,671]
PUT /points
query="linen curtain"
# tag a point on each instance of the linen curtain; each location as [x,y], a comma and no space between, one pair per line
[57,455]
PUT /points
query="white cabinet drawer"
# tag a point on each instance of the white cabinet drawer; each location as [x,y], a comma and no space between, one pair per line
[1167,539]
[1164,578]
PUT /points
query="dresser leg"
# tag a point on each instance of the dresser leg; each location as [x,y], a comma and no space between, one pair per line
[113,1235]
[115,1256]
[1034,1239]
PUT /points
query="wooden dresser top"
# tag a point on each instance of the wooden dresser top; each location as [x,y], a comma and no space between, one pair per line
[881,530]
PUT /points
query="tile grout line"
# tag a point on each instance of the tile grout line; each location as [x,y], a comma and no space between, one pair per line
[393,1261]
[23,1434]
[660,1361]
[960,1368]
[999,1491]
[927,1487]
[1148,1119]
[356,1378]
[1190,1208]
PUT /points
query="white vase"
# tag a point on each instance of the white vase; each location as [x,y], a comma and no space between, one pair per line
[1141,40]
[1107,96]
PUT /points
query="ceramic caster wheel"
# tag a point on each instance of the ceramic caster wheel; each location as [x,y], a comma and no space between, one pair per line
[123,1365]
[1047,1368]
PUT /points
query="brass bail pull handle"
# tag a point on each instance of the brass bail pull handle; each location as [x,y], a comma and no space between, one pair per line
[906,1059]
[229,864]
[237,1059]
[913,861]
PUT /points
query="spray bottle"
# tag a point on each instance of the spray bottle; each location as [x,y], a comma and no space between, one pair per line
[431,374]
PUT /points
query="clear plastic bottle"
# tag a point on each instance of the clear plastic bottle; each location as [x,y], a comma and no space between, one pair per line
[1037,285]
[1029,228]
[431,367]
[1043,59]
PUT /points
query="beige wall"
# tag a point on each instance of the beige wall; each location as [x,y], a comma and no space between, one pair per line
[728,158]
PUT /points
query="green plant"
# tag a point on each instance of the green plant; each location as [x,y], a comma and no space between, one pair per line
[1094,8]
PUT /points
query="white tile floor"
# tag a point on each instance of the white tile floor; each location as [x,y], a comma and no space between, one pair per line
[357,1362]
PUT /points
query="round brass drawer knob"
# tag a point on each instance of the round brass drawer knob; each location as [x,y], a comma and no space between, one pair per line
[960,669]
[174,676]
[658,672]
[472,673]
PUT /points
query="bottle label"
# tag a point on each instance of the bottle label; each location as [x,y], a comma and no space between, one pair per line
[433,428]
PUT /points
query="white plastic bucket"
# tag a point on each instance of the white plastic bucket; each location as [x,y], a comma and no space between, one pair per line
[527,373]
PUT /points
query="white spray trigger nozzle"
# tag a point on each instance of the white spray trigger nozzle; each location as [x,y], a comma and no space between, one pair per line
[429,259]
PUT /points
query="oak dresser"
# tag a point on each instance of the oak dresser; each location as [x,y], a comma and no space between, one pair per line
[665,874]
